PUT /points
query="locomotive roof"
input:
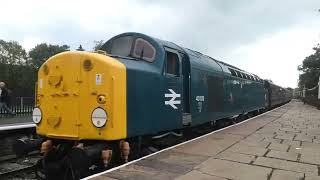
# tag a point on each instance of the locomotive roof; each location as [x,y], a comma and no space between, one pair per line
[189,51]
[163,43]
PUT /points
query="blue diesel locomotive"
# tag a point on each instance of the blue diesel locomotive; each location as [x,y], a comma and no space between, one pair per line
[136,87]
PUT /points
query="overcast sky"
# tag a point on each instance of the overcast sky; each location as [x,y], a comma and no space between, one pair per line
[267,37]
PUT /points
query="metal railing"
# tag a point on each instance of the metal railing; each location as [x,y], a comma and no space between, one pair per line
[310,96]
[21,106]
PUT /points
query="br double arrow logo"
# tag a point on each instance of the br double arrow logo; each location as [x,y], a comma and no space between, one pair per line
[172,102]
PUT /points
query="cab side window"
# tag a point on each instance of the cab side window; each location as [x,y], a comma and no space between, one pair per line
[172,63]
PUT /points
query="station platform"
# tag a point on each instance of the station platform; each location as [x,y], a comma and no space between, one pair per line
[282,144]
[16,122]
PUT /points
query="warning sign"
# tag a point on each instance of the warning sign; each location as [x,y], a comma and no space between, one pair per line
[98,79]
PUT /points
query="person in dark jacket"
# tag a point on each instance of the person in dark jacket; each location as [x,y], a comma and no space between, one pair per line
[4,98]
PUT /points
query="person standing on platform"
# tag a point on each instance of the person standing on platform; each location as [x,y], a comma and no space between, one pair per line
[4,98]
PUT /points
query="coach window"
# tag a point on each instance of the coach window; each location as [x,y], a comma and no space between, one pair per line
[122,46]
[172,63]
[144,50]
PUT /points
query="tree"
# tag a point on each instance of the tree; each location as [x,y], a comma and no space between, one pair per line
[39,54]
[12,53]
[310,69]
[80,48]
[98,45]
[14,70]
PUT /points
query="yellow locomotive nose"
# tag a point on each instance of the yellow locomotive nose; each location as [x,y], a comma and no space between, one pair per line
[78,93]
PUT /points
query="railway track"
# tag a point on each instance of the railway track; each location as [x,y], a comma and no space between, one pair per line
[19,168]
[13,165]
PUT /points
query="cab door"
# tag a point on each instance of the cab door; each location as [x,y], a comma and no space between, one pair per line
[173,89]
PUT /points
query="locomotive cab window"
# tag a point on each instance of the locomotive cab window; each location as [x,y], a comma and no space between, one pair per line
[121,46]
[172,63]
[144,50]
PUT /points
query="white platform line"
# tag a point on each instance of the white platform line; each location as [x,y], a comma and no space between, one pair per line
[17,126]
[144,157]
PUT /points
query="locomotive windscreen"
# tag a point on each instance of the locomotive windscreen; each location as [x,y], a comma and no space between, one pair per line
[121,46]
[129,46]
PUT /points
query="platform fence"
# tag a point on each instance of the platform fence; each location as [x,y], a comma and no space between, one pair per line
[21,106]
[311,96]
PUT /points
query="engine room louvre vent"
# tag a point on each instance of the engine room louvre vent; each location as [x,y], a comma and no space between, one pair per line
[215,94]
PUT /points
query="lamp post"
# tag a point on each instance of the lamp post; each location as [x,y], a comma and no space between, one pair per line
[319,85]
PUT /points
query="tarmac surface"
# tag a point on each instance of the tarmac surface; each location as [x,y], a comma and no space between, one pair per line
[283,144]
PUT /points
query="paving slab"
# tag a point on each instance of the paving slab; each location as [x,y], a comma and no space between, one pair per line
[273,140]
[312,177]
[209,146]
[302,137]
[262,144]
[278,147]
[233,170]
[283,155]
[286,165]
[285,136]
[103,178]
[312,157]
[286,175]
[291,143]
[244,149]
[237,157]
[136,172]
[198,175]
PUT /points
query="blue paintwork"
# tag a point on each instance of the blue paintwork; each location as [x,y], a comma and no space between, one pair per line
[147,84]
